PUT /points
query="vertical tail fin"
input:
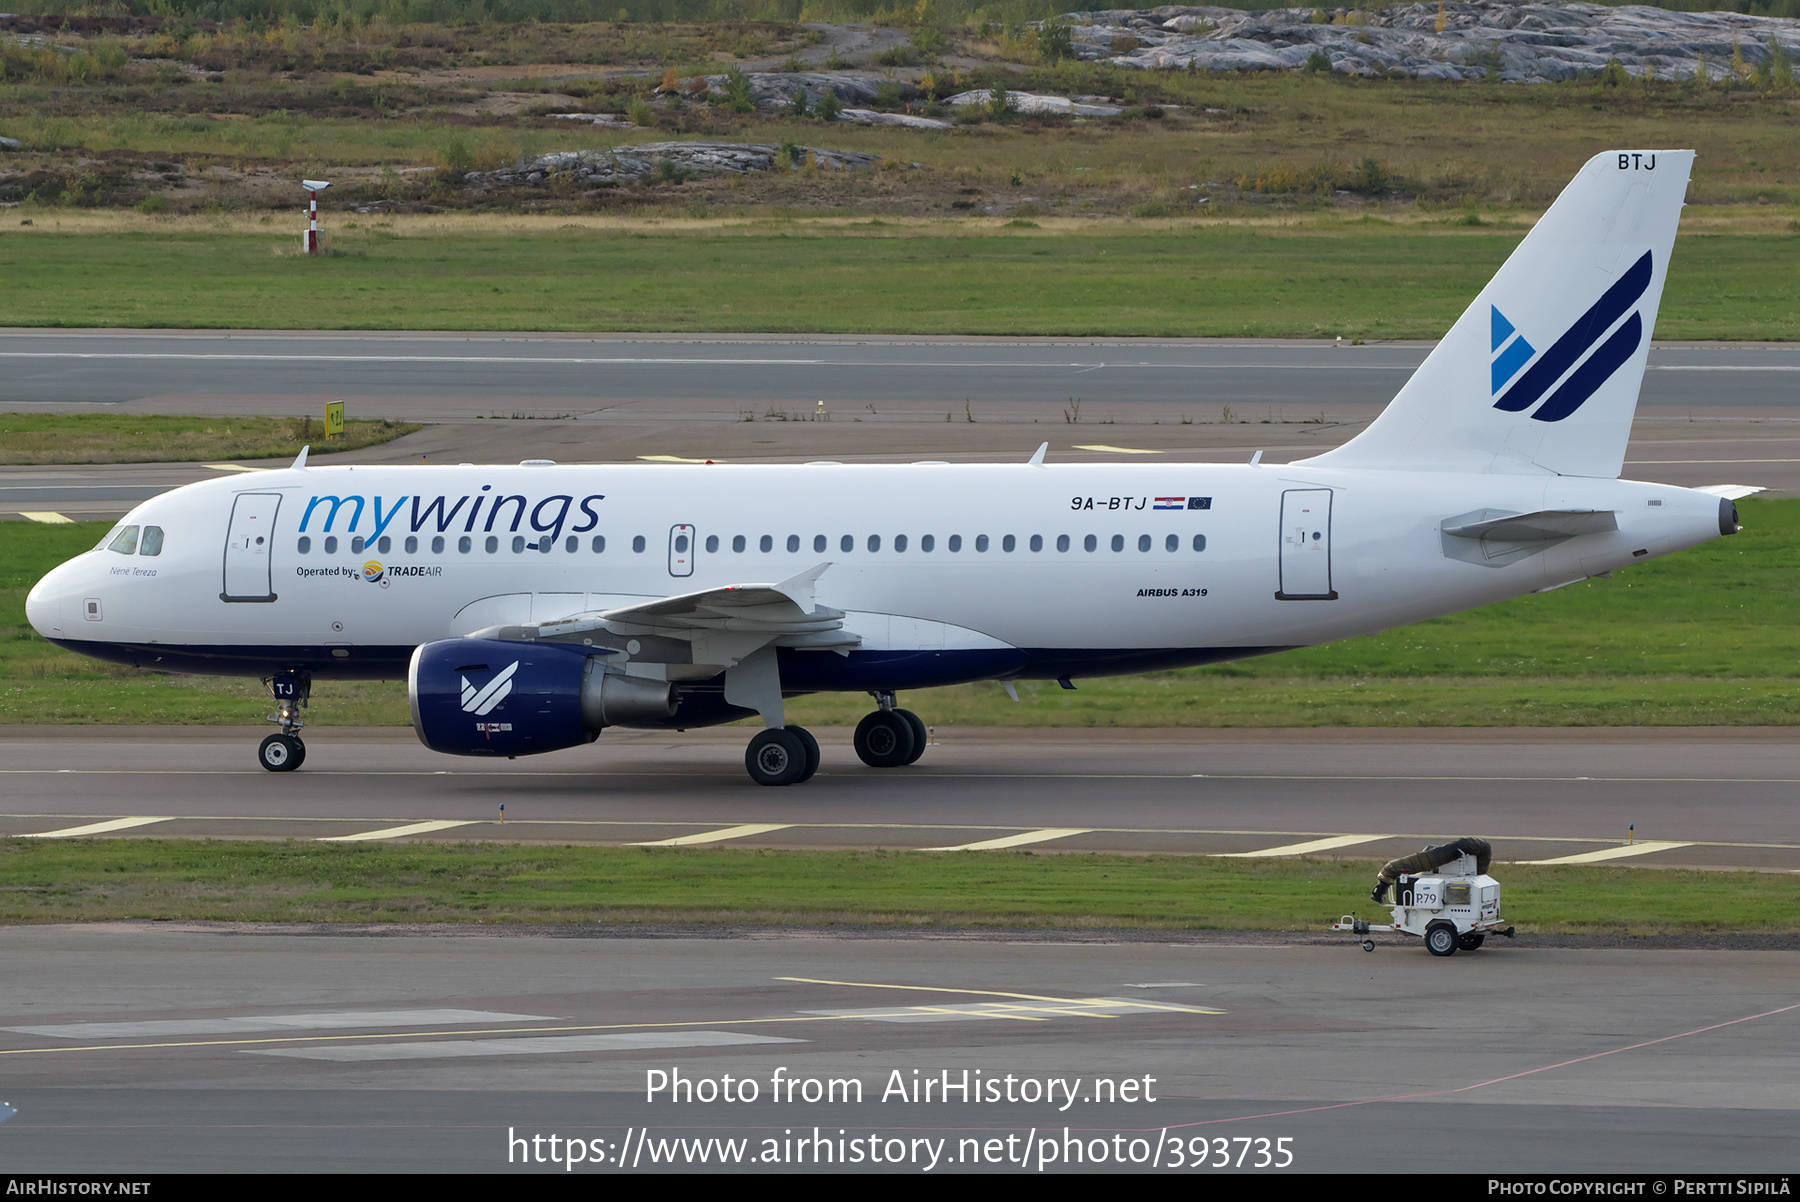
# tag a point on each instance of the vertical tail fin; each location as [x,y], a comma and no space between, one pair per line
[1541,374]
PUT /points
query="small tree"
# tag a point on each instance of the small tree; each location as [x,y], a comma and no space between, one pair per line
[1055,42]
[737,92]
[797,103]
[1318,63]
[999,100]
[829,106]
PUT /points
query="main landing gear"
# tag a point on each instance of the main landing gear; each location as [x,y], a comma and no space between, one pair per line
[788,755]
[890,737]
[285,752]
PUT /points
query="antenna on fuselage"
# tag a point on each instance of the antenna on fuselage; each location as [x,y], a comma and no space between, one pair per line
[300,459]
[1037,459]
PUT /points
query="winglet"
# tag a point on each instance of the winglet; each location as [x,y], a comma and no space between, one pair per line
[1037,458]
[300,459]
[799,589]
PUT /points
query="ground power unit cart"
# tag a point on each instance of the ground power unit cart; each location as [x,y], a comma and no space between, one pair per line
[1442,894]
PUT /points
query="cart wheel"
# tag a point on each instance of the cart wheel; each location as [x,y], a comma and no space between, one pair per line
[1368,945]
[1471,941]
[1441,939]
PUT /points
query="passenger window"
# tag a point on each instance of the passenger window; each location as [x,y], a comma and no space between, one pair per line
[712,543]
[412,544]
[356,545]
[955,543]
[465,544]
[847,543]
[599,543]
[793,542]
[151,543]
[874,542]
[819,542]
[981,542]
[1118,542]
[1062,542]
[493,543]
[125,542]
[1199,542]
[331,544]
[899,542]
[1037,542]
[304,545]
[637,544]
[1172,543]
[1008,543]
[518,543]
[1143,542]
[737,544]
[545,544]
[765,544]
[926,542]
[681,544]
[571,544]
[1090,543]
[437,545]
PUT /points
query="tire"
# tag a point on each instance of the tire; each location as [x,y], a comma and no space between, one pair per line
[920,735]
[281,753]
[775,757]
[1471,941]
[1368,945]
[1441,939]
[812,752]
[884,740]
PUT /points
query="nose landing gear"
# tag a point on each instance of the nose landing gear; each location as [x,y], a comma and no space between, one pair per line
[285,752]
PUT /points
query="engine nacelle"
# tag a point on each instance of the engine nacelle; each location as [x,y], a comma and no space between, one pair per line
[489,697]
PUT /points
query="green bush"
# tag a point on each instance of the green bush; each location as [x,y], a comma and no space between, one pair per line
[829,107]
[153,204]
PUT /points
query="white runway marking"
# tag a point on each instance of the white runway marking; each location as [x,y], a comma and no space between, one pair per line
[328,1020]
[1020,840]
[398,832]
[536,1046]
[1612,853]
[1304,849]
[956,1012]
[94,828]
[674,459]
[1100,446]
[232,467]
[47,516]
[730,832]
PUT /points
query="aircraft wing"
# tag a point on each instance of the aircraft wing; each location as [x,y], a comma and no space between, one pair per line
[705,631]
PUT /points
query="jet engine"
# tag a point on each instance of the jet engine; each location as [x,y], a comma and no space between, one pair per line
[491,697]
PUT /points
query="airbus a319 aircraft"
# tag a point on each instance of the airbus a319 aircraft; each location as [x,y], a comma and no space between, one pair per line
[529,607]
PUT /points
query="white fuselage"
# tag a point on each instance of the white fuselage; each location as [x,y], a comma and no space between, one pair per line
[1287,556]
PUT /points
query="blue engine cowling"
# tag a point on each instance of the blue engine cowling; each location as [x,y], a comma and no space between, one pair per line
[486,697]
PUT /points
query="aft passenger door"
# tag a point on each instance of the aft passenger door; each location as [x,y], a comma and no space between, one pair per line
[681,550]
[249,548]
[1306,545]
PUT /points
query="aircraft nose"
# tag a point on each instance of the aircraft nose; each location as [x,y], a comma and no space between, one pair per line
[49,601]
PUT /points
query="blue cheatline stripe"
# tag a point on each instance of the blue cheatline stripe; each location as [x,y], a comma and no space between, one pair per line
[1502,328]
[1583,334]
[1510,361]
[1595,372]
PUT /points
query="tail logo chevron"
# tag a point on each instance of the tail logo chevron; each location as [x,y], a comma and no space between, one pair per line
[481,702]
[1513,353]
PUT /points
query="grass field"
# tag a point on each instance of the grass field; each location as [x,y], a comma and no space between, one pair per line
[1365,278]
[1705,637]
[94,880]
[147,438]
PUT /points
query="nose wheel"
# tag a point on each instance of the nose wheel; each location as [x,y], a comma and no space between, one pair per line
[285,752]
[281,753]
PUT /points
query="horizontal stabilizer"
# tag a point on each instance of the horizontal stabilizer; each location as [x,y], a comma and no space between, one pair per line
[1731,492]
[1535,527]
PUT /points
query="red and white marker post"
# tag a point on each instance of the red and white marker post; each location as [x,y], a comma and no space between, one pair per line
[310,240]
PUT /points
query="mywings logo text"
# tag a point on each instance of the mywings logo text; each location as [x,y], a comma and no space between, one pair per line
[481,702]
[1511,353]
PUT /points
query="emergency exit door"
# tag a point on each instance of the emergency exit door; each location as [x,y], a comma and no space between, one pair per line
[250,548]
[1306,545]
[681,550]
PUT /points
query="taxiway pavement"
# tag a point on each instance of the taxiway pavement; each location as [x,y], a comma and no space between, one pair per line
[1701,798]
[152,1047]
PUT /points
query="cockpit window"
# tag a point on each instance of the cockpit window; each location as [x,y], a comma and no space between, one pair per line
[125,542]
[151,543]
